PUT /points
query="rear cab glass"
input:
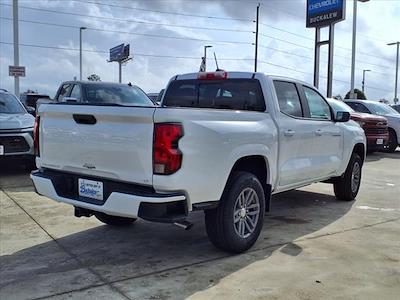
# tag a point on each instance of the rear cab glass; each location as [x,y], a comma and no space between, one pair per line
[233,94]
[117,94]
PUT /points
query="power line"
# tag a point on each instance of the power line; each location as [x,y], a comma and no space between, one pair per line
[311,58]
[164,12]
[303,18]
[312,39]
[310,48]
[176,57]
[129,21]
[131,33]
[135,54]
[309,73]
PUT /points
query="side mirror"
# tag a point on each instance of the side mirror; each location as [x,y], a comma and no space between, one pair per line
[342,116]
[31,110]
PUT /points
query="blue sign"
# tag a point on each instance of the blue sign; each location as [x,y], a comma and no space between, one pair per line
[117,52]
[322,13]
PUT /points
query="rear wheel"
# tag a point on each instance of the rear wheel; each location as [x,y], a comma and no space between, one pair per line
[346,187]
[114,220]
[236,223]
[393,143]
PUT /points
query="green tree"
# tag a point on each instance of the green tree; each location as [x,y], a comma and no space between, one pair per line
[360,95]
[94,77]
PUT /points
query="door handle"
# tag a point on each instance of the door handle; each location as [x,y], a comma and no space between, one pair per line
[84,119]
[318,132]
[288,132]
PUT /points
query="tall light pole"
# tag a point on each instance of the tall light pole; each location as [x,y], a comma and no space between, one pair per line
[363,81]
[397,70]
[205,57]
[353,48]
[80,51]
[256,44]
[16,45]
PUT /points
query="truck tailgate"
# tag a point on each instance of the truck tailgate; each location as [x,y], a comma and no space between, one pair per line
[116,144]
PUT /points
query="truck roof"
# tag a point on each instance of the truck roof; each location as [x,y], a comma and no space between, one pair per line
[236,74]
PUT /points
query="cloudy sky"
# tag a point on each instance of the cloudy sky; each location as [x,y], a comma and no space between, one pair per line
[167,38]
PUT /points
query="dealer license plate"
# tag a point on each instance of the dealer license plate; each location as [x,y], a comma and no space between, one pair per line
[90,189]
[379,141]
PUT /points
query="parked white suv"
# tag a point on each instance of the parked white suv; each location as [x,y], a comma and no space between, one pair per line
[221,142]
[381,109]
[16,131]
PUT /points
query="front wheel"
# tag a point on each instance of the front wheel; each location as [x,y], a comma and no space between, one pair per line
[114,220]
[236,223]
[346,187]
[392,144]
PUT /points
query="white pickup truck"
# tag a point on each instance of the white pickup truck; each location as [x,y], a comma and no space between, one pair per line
[222,142]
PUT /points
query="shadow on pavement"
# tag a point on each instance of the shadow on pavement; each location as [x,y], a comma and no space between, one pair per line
[123,255]
[14,174]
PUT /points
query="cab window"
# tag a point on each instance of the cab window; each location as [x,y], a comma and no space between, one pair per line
[76,92]
[64,91]
[288,98]
[319,108]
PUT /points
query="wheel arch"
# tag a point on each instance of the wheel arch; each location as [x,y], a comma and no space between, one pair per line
[260,167]
[359,149]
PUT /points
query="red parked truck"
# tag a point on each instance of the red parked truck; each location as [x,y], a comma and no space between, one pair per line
[375,127]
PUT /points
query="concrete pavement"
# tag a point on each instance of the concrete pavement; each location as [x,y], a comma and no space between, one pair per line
[312,247]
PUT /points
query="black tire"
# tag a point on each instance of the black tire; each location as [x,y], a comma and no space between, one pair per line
[30,164]
[393,143]
[220,225]
[343,186]
[114,220]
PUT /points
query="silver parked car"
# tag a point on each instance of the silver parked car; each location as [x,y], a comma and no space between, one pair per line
[16,131]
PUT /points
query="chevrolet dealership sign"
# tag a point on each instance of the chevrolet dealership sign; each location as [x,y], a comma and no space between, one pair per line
[322,13]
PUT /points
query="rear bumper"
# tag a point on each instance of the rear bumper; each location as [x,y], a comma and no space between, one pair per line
[150,206]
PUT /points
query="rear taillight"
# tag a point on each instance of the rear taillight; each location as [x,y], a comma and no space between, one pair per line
[36,136]
[212,75]
[167,157]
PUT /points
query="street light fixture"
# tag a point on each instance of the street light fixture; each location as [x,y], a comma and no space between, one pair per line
[353,49]
[397,70]
[205,56]
[80,51]
[363,81]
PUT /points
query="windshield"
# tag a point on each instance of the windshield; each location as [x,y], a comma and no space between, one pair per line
[10,105]
[381,109]
[340,106]
[116,94]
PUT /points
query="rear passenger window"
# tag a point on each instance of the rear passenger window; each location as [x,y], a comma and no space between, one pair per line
[235,94]
[288,98]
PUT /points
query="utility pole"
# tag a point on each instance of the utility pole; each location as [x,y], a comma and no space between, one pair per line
[256,44]
[80,51]
[205,57]
[353,48]
[363,81]
[397,71]
[120,71]
[16,45]
[330,61]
